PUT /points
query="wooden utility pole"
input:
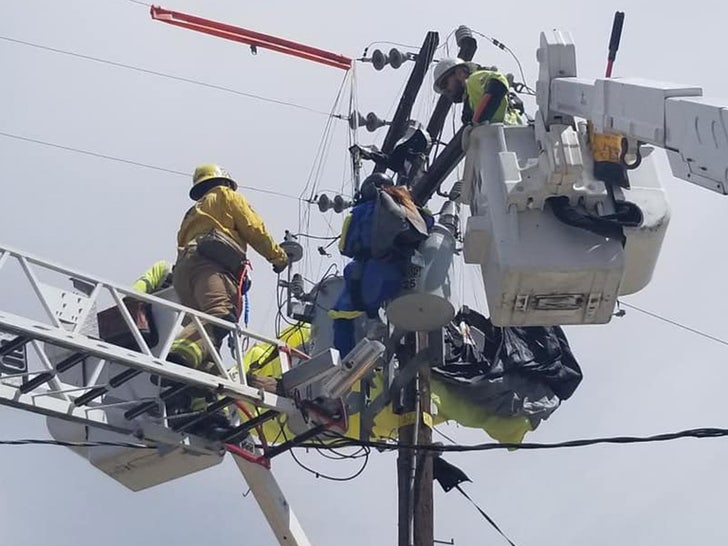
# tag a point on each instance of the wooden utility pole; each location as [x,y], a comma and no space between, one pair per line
[414,468]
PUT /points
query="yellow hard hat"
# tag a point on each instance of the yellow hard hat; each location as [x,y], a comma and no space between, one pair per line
[206,173]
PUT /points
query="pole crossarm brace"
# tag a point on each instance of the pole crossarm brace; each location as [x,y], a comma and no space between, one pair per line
[445,162]
[250,37]
[402,116]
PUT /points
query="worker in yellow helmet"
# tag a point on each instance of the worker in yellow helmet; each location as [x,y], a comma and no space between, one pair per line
[210,274]
[483,92]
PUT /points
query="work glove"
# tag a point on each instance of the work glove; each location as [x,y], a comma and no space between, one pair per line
[280,267]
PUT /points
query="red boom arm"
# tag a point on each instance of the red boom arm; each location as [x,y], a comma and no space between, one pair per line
[252,38]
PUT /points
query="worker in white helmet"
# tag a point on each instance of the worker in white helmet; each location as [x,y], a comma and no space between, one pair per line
[211,270]
[483,92]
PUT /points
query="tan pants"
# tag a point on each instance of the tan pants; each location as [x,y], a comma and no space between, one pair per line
[203,285]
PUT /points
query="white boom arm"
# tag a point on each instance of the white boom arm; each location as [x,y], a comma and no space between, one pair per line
[273,503]
[692,129]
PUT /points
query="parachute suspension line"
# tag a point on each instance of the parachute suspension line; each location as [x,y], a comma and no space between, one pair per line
[446,43]
[311,181]
[315,173]
[425,102]
[353,131]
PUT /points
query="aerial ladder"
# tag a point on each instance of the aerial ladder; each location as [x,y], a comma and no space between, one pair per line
[96,387]
[538,270]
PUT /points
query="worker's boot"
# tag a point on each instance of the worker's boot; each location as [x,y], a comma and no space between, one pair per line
[216,426]
[213,426]
[179,409]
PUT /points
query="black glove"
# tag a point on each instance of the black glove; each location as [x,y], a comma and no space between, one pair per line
[279,268]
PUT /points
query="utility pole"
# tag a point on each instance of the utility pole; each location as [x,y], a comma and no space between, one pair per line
[414,468]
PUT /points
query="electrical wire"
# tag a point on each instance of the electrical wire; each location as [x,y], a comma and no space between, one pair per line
[318,237]
[675,323]
[165,75]
[339,441]
[699,433]
[382,42]
[317,447]
[27,442]
[329,477]
[447,41]
[503,47]
[335,455]
[132,162]
[324,142]
[315,173]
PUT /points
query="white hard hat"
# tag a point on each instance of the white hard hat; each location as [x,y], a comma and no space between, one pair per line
[443,69]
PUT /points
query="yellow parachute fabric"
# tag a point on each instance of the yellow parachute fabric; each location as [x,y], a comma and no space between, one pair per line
[450,406]
[262,359]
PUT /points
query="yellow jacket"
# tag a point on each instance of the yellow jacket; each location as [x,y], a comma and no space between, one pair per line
[475,89]
[155,278]
[225,209]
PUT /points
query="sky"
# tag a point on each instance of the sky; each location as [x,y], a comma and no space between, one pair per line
[642,376]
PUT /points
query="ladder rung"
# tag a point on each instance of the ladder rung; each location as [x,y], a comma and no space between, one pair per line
[212,408]
[116,381]
[13,345]
[250,425]
[44,377]
[37,381]
[90,395]
[70,362]
[144,407]
[123,377]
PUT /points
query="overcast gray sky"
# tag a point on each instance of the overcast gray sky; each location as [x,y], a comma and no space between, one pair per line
[641,376]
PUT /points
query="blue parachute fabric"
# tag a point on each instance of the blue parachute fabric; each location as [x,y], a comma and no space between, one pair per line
[381,282]
[344,336]
[357,241]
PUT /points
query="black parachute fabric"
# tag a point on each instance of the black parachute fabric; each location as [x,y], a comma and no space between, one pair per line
[514,371]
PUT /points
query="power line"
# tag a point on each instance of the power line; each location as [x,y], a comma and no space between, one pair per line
[132,162]
[699,433]
[675,323]
[338,441]
[165,75]
[317,237]
[27,442]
